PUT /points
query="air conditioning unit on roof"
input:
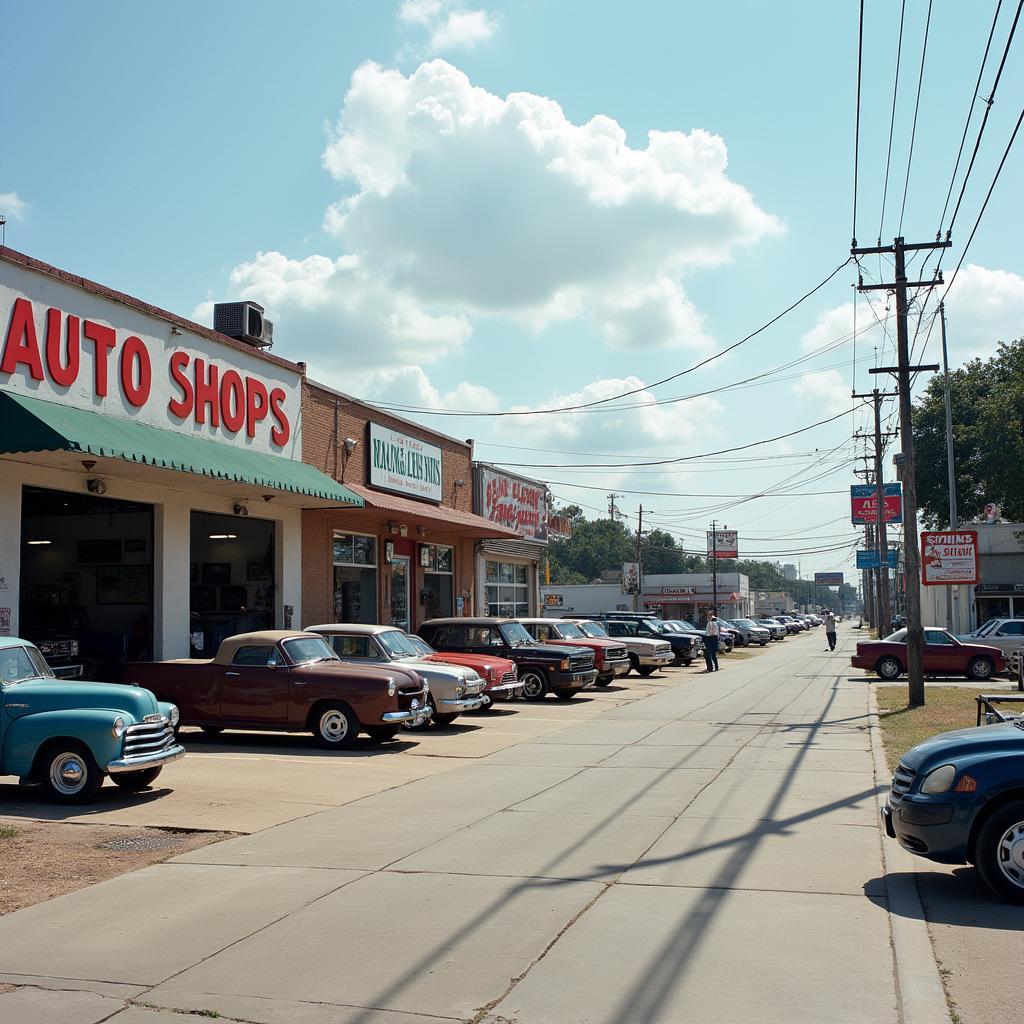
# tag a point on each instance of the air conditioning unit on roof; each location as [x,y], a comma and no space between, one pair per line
[244,321]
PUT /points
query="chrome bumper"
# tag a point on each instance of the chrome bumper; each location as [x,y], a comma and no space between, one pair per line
[618,668]
[473,703]
[142,761]
[506,689]
[416,716]
[656,659]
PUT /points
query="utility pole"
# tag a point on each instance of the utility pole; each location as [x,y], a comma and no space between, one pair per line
[950,467]
[881,541]
[912,552]
[613,511]
[639,560]
[714,566]
[872,581]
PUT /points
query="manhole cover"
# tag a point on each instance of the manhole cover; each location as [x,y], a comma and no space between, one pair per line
[142,844]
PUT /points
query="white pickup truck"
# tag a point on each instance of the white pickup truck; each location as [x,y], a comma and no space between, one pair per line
[645,656]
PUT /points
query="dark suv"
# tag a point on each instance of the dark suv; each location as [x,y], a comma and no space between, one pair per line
[685,646]
[542,667]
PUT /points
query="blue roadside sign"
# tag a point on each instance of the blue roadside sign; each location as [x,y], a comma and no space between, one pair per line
[869,559]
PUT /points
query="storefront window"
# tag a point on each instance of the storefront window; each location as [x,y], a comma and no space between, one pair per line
[507,588]
[355,578]
[437,562]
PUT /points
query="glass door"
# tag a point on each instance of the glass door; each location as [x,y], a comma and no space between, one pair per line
[401,573]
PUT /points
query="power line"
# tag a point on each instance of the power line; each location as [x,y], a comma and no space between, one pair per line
[892,120]
[634,391]
[856,135]
[917,105]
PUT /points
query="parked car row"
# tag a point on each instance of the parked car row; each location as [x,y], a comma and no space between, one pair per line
[943,655]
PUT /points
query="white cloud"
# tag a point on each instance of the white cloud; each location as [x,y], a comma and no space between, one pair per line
[836,326]
[449,24]
[827,390]
[983,308]
[409,385]
[463,205]
[13,206]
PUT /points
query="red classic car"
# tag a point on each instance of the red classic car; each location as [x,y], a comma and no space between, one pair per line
[288,682]
[501,674]
[610,656]
[944,655]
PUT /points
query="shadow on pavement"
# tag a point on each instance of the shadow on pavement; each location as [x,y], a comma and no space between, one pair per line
[960,898]
[30,802]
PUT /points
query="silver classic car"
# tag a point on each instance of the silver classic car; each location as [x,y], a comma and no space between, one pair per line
[454,689]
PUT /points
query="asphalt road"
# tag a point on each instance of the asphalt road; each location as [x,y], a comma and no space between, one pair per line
[705,851]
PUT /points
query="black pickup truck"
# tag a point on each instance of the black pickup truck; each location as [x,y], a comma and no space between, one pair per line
[542,668]
[685,646]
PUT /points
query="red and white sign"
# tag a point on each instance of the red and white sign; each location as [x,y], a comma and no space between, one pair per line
[950,557]
[74,347]
[519,504]
[678,591]
[864,503]
[723,544]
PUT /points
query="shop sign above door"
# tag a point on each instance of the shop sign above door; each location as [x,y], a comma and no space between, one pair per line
[519,504]
[404,464]
[74,347]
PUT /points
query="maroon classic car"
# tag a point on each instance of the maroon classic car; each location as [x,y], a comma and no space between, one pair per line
[944,655]
[290,682]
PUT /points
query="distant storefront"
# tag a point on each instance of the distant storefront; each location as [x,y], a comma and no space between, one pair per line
[508,572]
[408,554]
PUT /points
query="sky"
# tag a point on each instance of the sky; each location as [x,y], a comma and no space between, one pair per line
[485,207]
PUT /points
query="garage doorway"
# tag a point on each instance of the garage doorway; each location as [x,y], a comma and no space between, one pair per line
[86,588]
[233,579]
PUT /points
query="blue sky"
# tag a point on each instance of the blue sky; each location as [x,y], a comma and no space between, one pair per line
[463,234]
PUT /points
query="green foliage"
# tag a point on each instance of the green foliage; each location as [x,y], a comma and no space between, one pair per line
[987,398]
[595,545]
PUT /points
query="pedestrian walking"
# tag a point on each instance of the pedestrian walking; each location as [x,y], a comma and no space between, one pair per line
[830,630]
[712,631]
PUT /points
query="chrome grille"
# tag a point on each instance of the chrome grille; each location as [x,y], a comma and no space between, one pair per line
[581,662]
[616,653]
[148,737]
[903,779]
[510,677]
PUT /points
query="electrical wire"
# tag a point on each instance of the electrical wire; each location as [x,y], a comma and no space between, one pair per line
[892,120]
[856,135]
[917,106]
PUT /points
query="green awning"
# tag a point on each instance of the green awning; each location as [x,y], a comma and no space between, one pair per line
[32,425]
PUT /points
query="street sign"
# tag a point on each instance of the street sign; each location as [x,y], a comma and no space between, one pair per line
[864,503]
[828,579]
[949,557]
[723,544]
[869,559]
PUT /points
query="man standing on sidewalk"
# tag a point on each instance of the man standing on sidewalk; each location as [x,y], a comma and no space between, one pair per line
[830,630]
[711,633]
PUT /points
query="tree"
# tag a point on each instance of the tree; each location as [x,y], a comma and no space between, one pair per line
[595,545]
[987,399]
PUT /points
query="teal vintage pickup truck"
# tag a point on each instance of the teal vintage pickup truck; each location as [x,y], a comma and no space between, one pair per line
[67,735]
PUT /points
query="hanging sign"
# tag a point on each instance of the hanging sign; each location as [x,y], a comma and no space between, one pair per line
[949,557]
[828,579]
[511,501]
[723,544]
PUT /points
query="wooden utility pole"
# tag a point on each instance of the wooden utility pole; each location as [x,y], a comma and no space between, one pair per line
[903,370]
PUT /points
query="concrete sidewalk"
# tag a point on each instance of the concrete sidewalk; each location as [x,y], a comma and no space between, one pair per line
[710,853]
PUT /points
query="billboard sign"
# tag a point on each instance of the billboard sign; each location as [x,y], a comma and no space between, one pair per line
[869,559]
[631,577]
[828,579]
[723,544]
[864,504]
[403,464]
[519,504]
[949,557]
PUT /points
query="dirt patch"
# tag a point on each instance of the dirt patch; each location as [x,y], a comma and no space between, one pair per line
[44,859]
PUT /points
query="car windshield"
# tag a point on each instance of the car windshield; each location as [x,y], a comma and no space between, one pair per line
[655,626]
[744,622]
[304,650]
[397,644]
[515,634]
[899,637]
[420,645]
[594,630]
[986,628]
[18,664]
[684,627]
[570,631]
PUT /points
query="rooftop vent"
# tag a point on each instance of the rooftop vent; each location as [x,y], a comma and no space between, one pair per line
[244,321]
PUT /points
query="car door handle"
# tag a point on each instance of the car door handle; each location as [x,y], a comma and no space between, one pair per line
[232,675]
[298,682]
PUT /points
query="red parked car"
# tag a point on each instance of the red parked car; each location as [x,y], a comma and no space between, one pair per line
[944,655]
[610,656]
[501,674]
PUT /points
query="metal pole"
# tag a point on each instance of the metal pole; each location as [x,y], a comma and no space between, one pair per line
[639,561]
[884,614]
[714,565]
[954,519]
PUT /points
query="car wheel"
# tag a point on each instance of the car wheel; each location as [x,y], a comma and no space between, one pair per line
[634,664]
[678,659]
[566,694]
[535,684]
[335,727]
[999,852]
[980,669]
[383,733]
[444,720]
[763,642]
[888,668]
[69,773]
[687,662]
[603,681]
[134,781]
[648,670]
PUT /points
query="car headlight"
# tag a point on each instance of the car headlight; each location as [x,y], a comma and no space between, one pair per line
[939,780]
[174,716]
[392,687]
[565,664]
[460,689]
[118,727]
[426,687]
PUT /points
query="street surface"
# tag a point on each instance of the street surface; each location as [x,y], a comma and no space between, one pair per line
[707,852]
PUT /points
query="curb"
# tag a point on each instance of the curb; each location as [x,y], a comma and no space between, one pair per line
[921,998]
